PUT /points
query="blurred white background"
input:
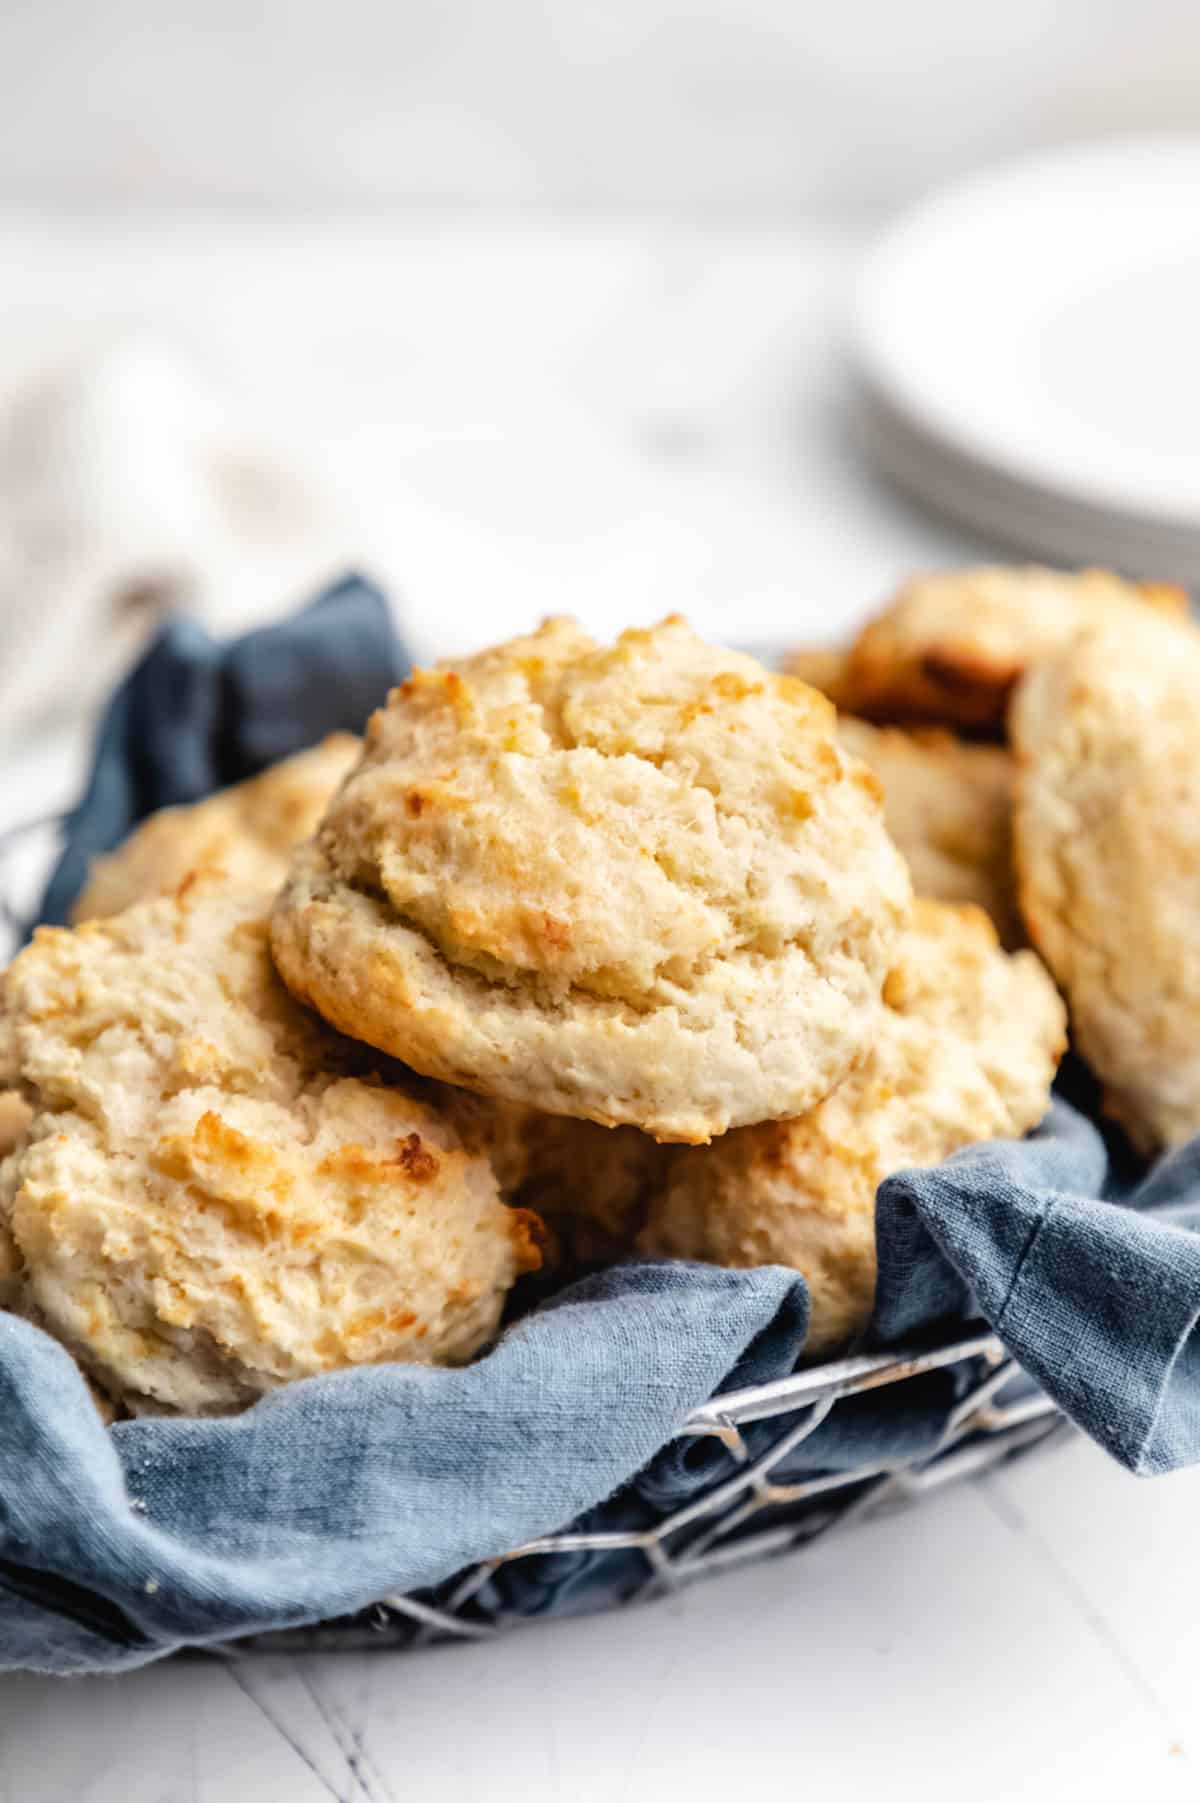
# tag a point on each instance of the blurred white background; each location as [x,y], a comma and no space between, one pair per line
[742,109]
[543,304]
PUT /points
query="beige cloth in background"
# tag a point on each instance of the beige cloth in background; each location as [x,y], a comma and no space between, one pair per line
[132,487]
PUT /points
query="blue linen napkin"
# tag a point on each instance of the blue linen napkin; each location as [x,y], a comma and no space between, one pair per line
[195,715]
[119,1546]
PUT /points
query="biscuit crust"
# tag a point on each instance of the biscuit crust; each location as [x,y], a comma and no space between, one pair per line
[1108,853]
[949,649]
[14,1118]
[639,885]
[948,804]
[216,1194]
[969,1044]
[822,667]
[590,1185]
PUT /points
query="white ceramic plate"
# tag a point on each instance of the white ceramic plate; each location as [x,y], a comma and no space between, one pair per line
[1042,325]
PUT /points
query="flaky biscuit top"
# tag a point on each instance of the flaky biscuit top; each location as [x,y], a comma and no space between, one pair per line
[658,833]
[217,1194]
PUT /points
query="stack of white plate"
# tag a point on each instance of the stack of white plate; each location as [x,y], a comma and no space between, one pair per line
[1029,346]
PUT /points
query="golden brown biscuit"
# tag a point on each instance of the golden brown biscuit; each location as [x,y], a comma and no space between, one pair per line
[216,1195]
[948,805]
[822,668]
[638,885]
[14,1118]
[1107,737]
[968,1050]
[15,1115]
[9,1067]
[951,645]
[589,1184]
[247,833]
[10,1262]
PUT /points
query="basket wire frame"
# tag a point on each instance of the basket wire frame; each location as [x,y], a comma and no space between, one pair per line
[747,1515]
[751,1514]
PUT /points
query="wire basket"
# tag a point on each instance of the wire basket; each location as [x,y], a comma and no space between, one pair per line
[749,1511]
[748,1515]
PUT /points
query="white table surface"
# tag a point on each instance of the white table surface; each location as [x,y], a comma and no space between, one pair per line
[620,422]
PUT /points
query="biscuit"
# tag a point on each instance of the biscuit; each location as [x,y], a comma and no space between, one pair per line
[952,644]
[10,1073]
[14,1118]
[590,1185]
[216,1195]
[1107,832]
[639,885]
[247,833]
[948,805]
[968,1050]
[822,668]
[15,1115]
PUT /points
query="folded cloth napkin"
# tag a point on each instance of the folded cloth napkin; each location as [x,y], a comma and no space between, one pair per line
[119,1545]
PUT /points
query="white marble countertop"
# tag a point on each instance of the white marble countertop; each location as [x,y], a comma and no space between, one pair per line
[1034,1632]
[619,422]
